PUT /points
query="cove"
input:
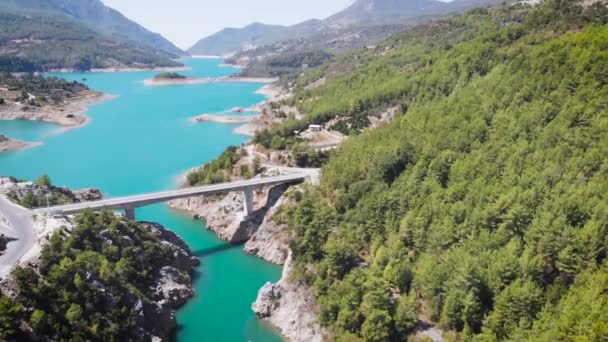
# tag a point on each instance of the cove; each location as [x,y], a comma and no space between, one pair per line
[142,141]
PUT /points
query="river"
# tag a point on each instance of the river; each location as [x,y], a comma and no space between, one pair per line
[141,141]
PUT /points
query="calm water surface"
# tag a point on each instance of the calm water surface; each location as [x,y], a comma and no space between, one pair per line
[141,141]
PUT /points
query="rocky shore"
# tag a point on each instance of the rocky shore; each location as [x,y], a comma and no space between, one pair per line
[7,144]
[169,288]
[291,307]
[225,215]
[287,305]
[227,119]
[69,114]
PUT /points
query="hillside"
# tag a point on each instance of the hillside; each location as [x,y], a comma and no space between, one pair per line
[41,41]
[368,11]
[231,40]
[363,23]
[95,15]
[482,207]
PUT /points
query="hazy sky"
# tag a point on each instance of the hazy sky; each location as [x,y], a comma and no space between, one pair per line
[186,21]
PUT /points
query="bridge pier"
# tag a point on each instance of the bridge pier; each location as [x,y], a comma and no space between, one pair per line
[248,202]
[130,213]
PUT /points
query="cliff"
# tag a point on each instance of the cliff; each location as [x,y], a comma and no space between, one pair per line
[291,307]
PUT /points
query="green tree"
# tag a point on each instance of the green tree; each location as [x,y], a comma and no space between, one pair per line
[10,315]
[44,180]
[377,326]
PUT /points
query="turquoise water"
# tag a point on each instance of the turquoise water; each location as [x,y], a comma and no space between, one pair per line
[141,141]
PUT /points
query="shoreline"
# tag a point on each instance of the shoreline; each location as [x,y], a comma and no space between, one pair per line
[234,66]
[250,123]
[70,115]
[8,144]
[127,69]
[194,80]
[225,119]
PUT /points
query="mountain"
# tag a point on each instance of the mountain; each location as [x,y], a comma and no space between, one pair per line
[364,22]
[234,39]
[39,40]
[377,11]
[481,204]
[99,17]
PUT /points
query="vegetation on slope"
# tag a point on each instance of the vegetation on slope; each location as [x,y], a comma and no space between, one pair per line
[90,283]
[484,205]
[41,41]
[363,83]
[286,64]
[105,20]
[219,170]
[44,89]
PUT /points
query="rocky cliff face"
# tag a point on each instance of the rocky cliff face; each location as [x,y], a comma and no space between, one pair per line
[225,216]
[271,240]
[170,290]
[291,307]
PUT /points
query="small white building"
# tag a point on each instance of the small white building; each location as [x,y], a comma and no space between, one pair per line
[315,128]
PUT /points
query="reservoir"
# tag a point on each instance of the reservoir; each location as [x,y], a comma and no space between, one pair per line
[142,141]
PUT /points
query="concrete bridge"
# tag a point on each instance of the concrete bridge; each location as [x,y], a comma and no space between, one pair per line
[130,203]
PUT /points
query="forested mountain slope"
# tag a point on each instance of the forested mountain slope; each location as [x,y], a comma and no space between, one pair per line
[35,40]
[484,205]
[364,22]
[95,15]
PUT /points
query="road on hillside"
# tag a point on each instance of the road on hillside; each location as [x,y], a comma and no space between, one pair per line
[22,227]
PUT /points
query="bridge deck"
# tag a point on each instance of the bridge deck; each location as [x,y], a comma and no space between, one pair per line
[132,202]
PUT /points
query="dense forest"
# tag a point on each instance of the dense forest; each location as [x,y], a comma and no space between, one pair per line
[484,205]
[91,283]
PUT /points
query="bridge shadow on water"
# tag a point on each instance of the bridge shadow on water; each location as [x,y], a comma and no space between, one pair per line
[216,249]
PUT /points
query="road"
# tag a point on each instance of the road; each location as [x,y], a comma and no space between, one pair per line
[131,202]
[22,229]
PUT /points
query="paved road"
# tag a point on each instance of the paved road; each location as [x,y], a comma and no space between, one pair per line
[22,227]
[131,202]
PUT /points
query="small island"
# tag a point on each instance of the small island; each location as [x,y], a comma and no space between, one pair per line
[174,78]
[170,76]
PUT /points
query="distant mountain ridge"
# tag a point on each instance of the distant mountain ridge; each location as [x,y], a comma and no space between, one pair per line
[233,39]
[382,11]
[362,13]
[35,39]
[94,14]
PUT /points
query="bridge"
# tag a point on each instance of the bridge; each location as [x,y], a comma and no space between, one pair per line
[130,203]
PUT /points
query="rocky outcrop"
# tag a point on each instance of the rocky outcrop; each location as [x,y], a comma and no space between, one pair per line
[17,190]
[153,309]
[271,241]
[171,288]
[291,307]
[7,144]
[225,216]
[4,240]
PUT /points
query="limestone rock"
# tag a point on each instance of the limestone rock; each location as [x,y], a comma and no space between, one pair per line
[290,307]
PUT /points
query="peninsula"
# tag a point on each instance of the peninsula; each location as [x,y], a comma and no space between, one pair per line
[40,98]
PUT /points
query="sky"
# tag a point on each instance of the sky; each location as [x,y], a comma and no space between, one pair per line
[184,22]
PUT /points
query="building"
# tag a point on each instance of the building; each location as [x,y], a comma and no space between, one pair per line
[315,128]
